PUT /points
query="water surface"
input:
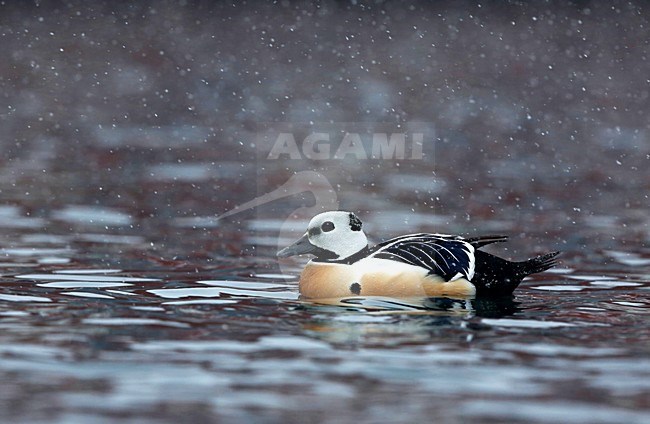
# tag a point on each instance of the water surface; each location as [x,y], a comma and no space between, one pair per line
[130,131]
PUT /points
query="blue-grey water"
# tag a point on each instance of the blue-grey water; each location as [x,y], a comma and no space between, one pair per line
[130,293]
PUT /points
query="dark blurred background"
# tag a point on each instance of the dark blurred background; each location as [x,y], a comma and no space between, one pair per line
[126,128]
[540,109]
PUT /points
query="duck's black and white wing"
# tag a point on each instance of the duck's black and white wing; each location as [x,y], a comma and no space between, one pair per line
[450,257]
[481,241]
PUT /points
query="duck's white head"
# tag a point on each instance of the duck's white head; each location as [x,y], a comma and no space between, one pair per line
[330,236]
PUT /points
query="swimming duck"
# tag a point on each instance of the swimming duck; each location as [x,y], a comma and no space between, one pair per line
[412,265]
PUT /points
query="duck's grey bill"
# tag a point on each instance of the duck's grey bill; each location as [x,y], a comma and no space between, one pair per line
[300,247]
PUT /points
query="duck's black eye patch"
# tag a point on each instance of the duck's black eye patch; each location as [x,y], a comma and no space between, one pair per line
[327,226]
[355,223]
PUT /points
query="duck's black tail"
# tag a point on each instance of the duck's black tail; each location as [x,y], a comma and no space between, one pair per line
[538,264]
[494,276]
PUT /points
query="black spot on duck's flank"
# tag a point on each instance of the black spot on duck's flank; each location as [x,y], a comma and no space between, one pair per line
[355,288]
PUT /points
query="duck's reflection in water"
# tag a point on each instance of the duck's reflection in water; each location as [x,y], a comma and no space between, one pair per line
[489,307]
[392,321]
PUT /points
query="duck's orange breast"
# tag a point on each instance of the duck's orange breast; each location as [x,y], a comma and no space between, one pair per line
[376,277]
